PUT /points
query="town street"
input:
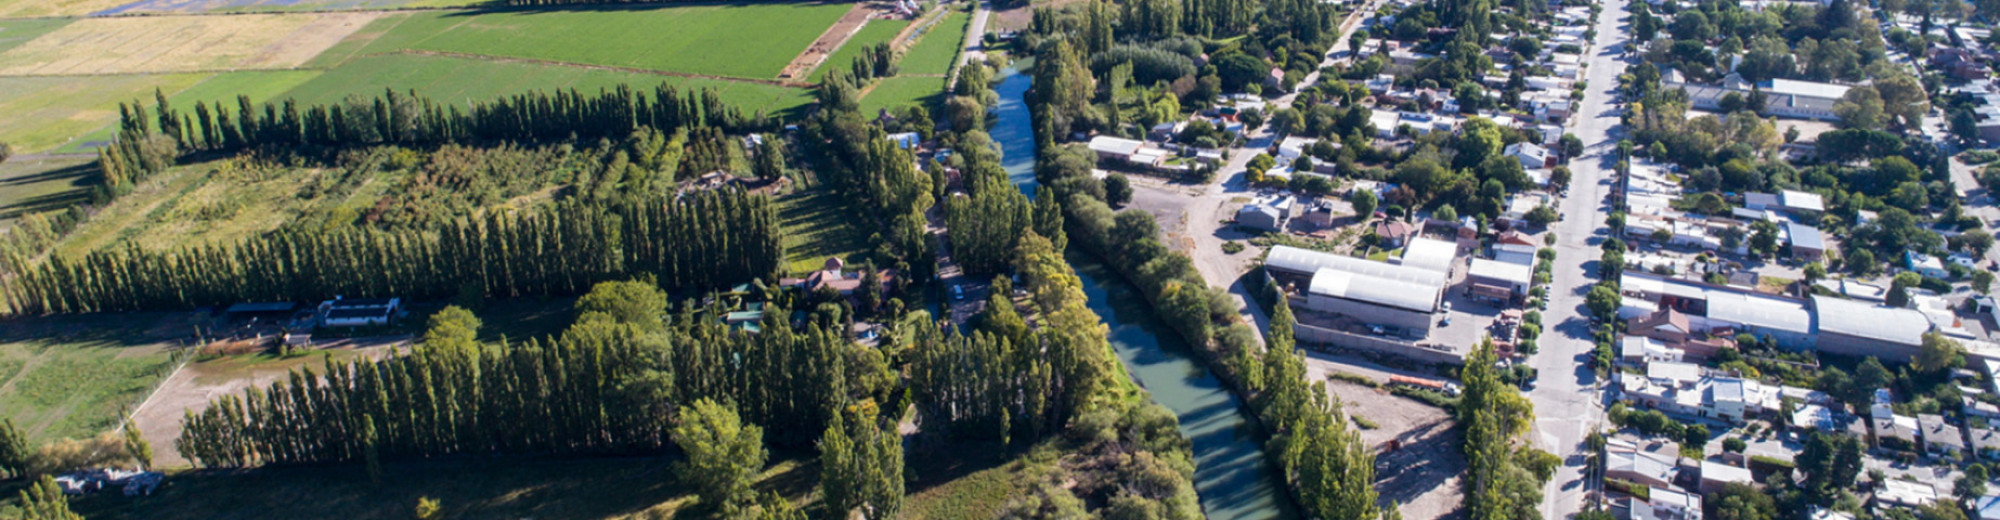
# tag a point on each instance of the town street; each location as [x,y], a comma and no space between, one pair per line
[1568,398]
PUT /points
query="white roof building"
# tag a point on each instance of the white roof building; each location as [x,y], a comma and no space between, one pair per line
[1431,254]
[1902,493]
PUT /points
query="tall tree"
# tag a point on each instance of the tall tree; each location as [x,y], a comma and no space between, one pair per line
[724,455]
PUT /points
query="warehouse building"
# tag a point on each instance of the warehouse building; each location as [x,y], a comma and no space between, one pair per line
[1860,329]
[1361,290]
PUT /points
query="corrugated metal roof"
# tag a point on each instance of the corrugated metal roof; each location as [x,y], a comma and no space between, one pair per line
[1894,325]
[1498,270]
[1432,254]
[1306,261]
[1805,236]
[1758,311]
[1402,294]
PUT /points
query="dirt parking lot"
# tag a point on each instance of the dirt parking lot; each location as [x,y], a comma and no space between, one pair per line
[191,388]
[1422,473]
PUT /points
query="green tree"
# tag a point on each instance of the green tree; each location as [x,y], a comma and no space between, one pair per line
[1938,354]
[861,466]
[1814,272]
[724,454]
[1117,189]
[1860,108]
[1541,216]
[14,449]
[631,302]
[1830,464]
[44,501]
[1739,501]
[136,445]
[1603,301]
[429,509]
[770,160]
[1982,281]
[1364,203]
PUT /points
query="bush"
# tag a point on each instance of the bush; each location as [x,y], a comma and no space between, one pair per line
[1232,247]
[1767,465]
[1363,422]
[1430,397]
[1734,445]
[1354,378]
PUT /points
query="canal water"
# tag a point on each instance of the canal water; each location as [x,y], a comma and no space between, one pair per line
[1234,478]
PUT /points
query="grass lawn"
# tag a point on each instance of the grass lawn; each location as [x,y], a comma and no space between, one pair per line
[745,40]
[969,483]
[71,376]
[939,46]
[508,487]
[43,113]
[13,33]
[877,31]
[460,80]
[30,185]
[817,225]
[904,91]
[260,85]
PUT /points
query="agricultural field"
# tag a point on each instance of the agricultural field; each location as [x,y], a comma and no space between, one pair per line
[259,85]
[47,112]
[708,39]
[36,184]
[47,8]
[245,6]
[73,376]
[938,46]
[13,33]
[460,80]
[157,44]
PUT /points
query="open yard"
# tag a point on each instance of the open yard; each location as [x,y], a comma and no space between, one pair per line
[156,44]
[201,382]
[741,40]
[71,376]
[904,91]
[1422,472]
[817,226]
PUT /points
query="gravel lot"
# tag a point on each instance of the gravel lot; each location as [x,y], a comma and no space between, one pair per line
[1423,474]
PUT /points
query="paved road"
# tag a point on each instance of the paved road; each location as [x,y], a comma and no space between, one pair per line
[1568,402]
[975,41]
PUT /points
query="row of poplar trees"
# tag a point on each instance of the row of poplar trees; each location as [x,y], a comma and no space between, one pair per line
[698,241]
[609,385]
[149,138]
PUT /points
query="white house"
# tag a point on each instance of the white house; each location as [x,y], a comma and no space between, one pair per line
[1531,156]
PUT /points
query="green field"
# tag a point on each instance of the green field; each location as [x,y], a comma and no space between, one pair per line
[46,112]
[750,40]
[260,85]
[903,91]
[877,31]
[35,184]
[817,225]
[939,46]
[72,376]
[16,32]
[459,80]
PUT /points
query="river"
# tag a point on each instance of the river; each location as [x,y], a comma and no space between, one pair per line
[1235,480]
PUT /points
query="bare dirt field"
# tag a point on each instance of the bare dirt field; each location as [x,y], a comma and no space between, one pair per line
[155,44]
[1422,473]
[828,41]
[191,388]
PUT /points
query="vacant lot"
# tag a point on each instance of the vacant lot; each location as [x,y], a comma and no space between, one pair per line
[194,387]
[877,31]
[817,225]
[1422,472]
[460,80]
[71,376]
[47,112]
[748,40]
[157,44]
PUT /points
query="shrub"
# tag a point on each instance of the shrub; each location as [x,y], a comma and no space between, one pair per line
[1363,422]
[1232,247]
[1354,378]
[1767,465]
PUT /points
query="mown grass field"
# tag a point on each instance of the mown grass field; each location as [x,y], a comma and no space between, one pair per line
[877,31]
[72,376]
[939,46]
[157,44]
[44,8]
[46,112]
[903,91]
[817,225]
[743,40]
[36,184]
[461,80]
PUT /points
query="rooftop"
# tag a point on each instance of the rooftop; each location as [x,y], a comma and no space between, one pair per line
[1364,287]
[1891,324]
[1498,270]
[1432,254]
[1115,145]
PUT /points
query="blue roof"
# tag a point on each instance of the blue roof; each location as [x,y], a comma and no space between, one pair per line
[1805,236]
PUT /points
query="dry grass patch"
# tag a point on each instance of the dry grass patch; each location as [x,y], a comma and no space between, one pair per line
[27,8]
[156,44]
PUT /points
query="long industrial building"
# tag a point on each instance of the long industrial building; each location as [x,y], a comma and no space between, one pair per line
[1366,291]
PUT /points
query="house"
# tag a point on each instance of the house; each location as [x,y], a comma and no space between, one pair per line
[1906,494]
[1514,237]
[1925,265]
[1941,439]
[1807,244]
[1715,475]
[1801,204]
[1761,201]
[1263,217]
[1393,232]
[833,276]
[1514,253]
[1531,155]
[1294,147]
[1319,215]
[1665,503]
[1985,442]
[358,312]
[1892,426]
[1499,282]
[1115,148]
[1165,131]
[1631,465]
[1783,97]
[1641,351]
[1987,507]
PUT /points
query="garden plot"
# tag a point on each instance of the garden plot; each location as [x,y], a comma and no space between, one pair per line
[159,44]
